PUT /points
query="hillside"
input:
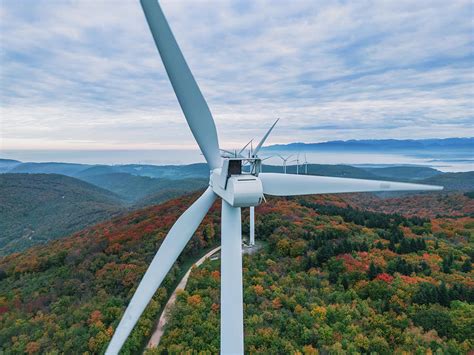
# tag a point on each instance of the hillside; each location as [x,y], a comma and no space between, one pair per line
[453,181]
[328,277]
[404,172]
[429,205]
[133,188]
[95,170]
[173,172]
[35,208]
[339,280]
[324,170]
[164,195]
[93,273]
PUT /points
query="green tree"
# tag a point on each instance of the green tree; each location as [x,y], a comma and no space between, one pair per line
[435,318]
[467,265]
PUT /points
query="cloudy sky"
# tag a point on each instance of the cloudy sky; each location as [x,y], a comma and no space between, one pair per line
[86,75]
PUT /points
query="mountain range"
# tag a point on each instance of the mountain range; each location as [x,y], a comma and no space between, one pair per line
[174,172]
[383,145]
[44,201]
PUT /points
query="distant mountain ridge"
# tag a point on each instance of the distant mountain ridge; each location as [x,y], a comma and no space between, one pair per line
[133,188]
[82,170]
[32,210]
[134,182]
[68,169]
[8,164]
[464,144]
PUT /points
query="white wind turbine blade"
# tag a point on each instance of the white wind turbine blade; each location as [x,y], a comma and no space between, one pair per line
[242,150]
[190,98]
[255,152]
[232,326]
[291,185]
[172,246]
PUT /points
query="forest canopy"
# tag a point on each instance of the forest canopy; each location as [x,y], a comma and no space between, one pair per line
[329,276]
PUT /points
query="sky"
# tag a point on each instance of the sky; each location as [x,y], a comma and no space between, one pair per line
[86,74]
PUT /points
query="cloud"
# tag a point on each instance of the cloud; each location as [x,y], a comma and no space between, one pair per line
[86,73]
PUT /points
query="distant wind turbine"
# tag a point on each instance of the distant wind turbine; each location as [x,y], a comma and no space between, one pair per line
[297,160]
[284,161]
[228,182]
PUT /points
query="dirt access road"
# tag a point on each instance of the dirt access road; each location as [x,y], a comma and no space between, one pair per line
[158,333]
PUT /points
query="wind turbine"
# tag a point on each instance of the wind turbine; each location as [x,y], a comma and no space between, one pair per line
[262,160]
[227,181]
[297,160]
[254,155]
[252,213]
[284,161]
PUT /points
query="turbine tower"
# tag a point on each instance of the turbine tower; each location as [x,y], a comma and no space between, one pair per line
[297,160]
[254,155]
[234,187]
[252,212]
[252,226]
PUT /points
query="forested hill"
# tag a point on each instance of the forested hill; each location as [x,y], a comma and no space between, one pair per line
[68,295]
[137,189]
[329,276]
[35,208]
[453,181]
[334,279]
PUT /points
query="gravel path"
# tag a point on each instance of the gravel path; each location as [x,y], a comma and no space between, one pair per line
[158,333]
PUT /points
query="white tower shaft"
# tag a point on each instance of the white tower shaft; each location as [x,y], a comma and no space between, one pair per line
[232,313]
[252,225]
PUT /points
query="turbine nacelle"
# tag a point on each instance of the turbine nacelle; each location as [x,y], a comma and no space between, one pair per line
[237,187]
